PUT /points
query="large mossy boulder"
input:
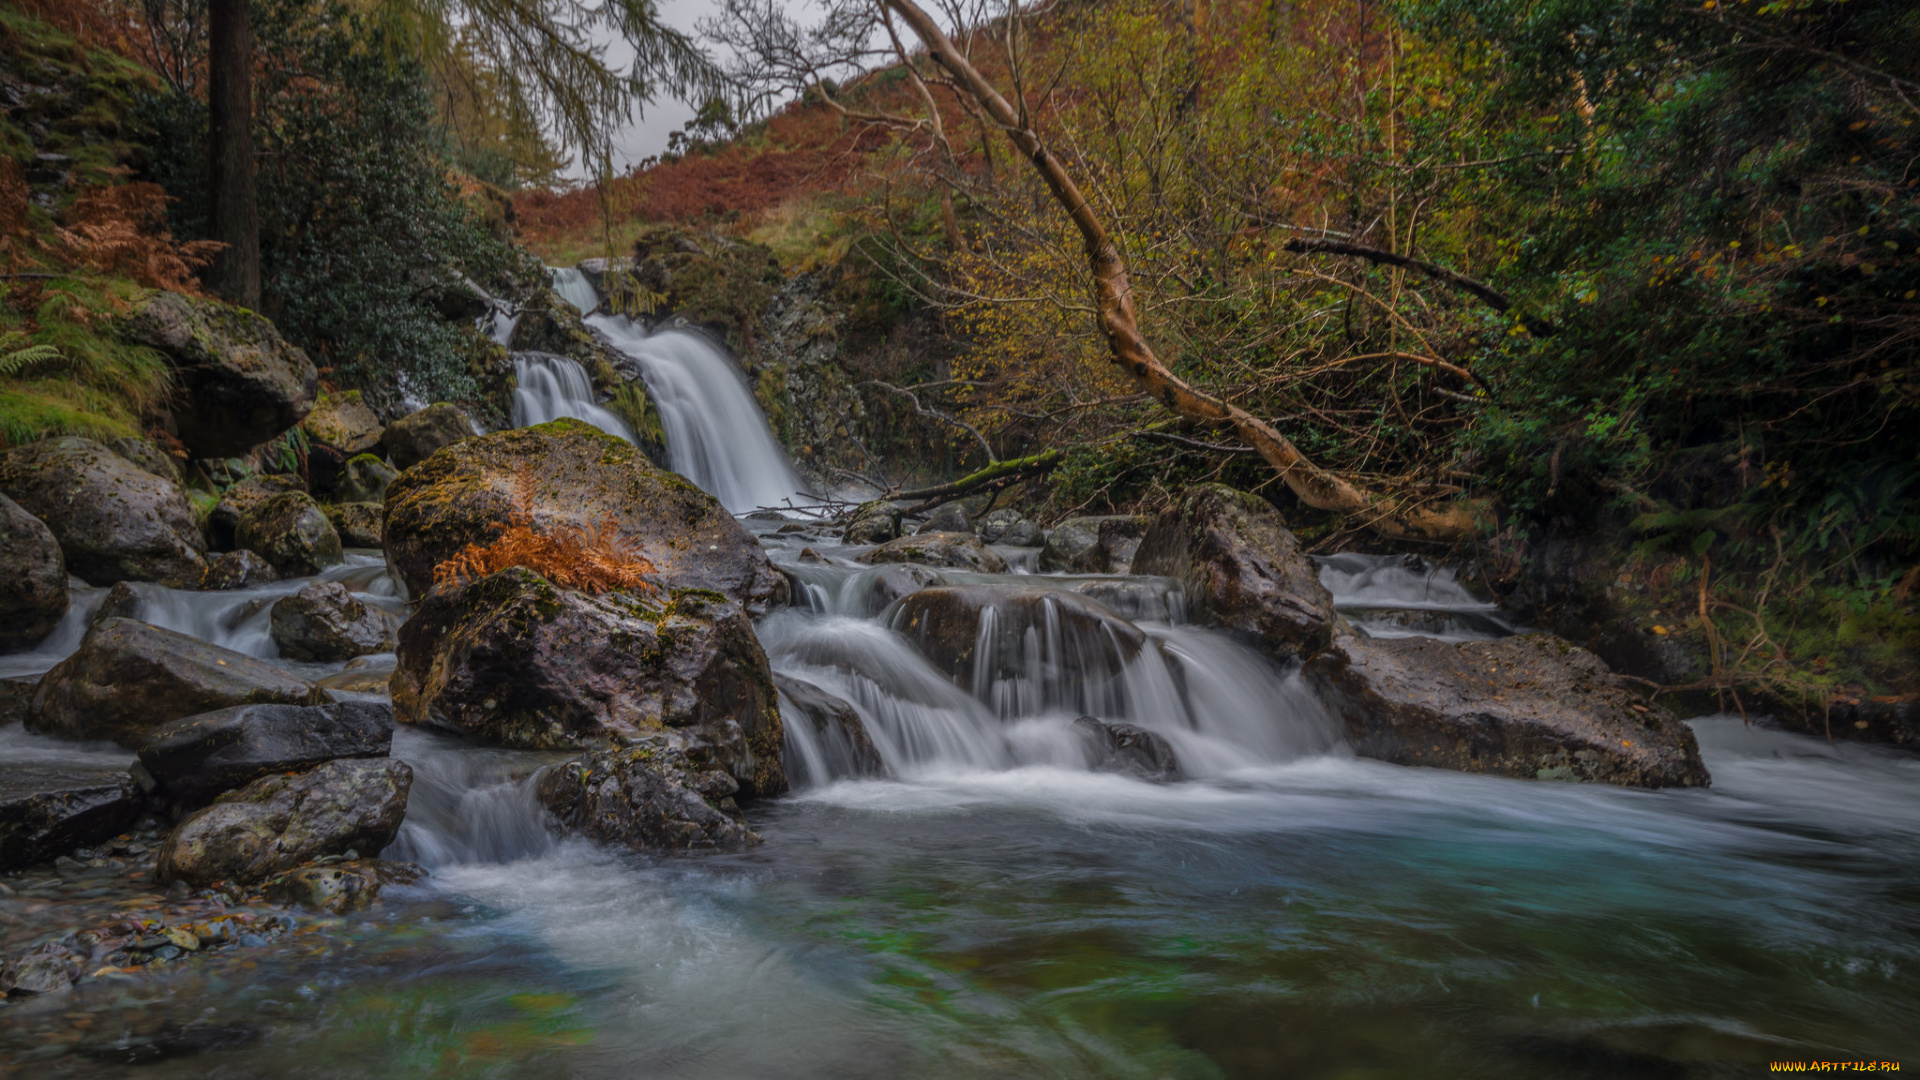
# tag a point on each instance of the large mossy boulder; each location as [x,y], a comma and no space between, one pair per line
[872,523]
[512,660]
[1093,545]
[237,382]
[364,479]
[193,759]
[1074,640]
[357,523]
[114,520]
[47,812]
[646,798]
[127,678]
[278,822]
[343,421]
[960,551]
[419,435]
[1242,570]
[33,579]
[292,533]
[324,622]
[223,523]
[1530,706]
[580,477]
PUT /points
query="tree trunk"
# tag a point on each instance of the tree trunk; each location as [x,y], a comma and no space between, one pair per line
[1129,350]
[232,217]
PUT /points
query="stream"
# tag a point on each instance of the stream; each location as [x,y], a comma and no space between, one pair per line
[992,907]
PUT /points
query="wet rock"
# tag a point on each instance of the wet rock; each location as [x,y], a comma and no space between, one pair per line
[325,622]
[1137,601]
[124,601]
[1128,748]
[358,523]
[172,1041]
[48,969]
[872,523]
[891,582]
[1529,706]
[1010,528]
[127,678]
[16,696]
[365,479]
[147,456]
[948,518]
[514,661]
[238,570]
[238,383]
[191,760]
[47,811]
[958,550]
[417,436]
[343,421]
[362,676]
[1093,545]
[647,798]
[582,476]
[340,887]
[114,521]
[839,735]
[1242,569]
[33,579]
[1076,639]
[278,822]
[292,533]
[223,524]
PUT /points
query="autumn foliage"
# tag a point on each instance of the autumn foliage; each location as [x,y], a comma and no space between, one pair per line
[121,229]
[591,560]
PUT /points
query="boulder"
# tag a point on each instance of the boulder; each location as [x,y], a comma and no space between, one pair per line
[223,524]
[962,551]
[325,622]
[1128,748]
[124,601]
[278,822]
[647,798]
[1241,569]
[872,523]
[127,678]
[1077,639]
[47,812]
[339,887]
[1150,600]
[191,760]
[840,745]
[292,533]
[582,477]
[893,581]
[147,456]
[344,422]
[947,517]
[417,436]
[1093,545]
[357,523]
[33,579]
[364,479]
[1530,706]
[114,520]
[16,697]
[237,382]
[1010,528]
[511,660]
[238,570]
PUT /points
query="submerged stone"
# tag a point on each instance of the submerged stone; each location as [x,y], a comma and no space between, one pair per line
[340,887]
[1128,748]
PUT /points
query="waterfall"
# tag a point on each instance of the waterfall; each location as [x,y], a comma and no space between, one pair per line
[574,288]
[549,387]
[716,435]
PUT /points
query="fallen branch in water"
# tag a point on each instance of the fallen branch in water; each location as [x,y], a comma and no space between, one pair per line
[995,475]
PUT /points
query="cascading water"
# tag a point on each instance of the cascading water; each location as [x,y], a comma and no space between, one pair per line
[574,287]
[548,387]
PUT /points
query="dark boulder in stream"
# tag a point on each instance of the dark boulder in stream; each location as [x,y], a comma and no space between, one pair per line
[114,520]
[961,551]
[839,736]
[647,798]
[1129,749]
[419,435]
[1077,639]
[127,678]
[1093,545]
[578,477]
[1530,706]
[224,522]
[193,759]
[872,523]
[1242,570]
[325,622]
[46,812]
[276,823]
[238,570]
[1010,528]
[238,382]
[358,523]
[512,660]
[33,579]
[292,533]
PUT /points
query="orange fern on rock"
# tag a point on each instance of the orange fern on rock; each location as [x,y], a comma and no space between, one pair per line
[591,560]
